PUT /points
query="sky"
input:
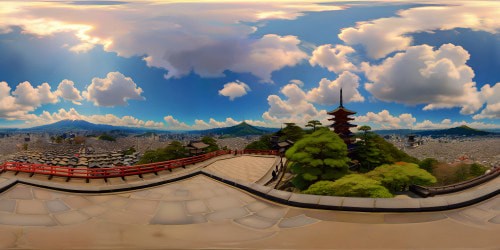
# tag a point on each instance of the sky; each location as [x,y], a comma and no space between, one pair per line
[181,65]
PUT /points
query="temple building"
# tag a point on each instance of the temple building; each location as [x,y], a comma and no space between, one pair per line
[341,124]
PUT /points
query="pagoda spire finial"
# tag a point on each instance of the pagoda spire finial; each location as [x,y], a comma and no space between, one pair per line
[341,103]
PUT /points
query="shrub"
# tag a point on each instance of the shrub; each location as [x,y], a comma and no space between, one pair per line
[428,164]
[353,185]
[399,176]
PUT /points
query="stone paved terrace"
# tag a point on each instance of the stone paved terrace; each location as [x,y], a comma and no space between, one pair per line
[202,213]
[244,168]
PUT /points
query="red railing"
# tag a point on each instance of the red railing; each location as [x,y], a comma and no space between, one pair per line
[96,173]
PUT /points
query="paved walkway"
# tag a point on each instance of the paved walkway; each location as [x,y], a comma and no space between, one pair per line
[202,213]
[244,168]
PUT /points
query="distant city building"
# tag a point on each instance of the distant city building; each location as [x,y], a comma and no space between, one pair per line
[341,125]
[412,141]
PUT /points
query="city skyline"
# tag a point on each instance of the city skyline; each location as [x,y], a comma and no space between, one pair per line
[180,65]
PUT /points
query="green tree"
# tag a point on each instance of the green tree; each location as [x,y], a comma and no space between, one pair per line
[477,170]
[368,153]
[106,137]
[129,151]
[291,132]
[264,143]
[174,150]
[390,152]
[399,176]
[428,164]
[211,142]
[313,124]
[353,185]
[365,129]
[321,155]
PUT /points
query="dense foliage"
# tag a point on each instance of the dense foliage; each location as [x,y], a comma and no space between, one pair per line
[353,185]
[447,174]
[174,150]
[428,164]
[129,151]
[264,143]
[291,132]
[313,124]
[368,153]
[211,142]
[106,137]
[398,177]
[321,155]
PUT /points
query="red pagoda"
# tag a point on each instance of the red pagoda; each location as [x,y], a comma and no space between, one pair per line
[341,120]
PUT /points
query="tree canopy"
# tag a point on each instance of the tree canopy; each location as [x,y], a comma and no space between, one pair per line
[353,185]
[313,124]
[321,155]
[291,132]
[174,150]
[264,143]
[399,176]
[211,142]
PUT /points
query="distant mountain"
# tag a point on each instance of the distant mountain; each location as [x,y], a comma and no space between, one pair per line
[457,131]
[81,125]
[242,129]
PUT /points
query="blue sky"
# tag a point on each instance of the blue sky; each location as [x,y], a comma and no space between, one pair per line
[180,65]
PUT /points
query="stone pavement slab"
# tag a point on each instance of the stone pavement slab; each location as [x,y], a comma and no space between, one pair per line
[221,216]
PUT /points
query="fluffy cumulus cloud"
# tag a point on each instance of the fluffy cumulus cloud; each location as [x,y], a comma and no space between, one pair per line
[421,75]
[17,104]
[446,123]
[68,91]
[333,58]
[385,35]
[46,118]
[174,124]
[491,96]
[234,90]
[114,90]
[178,37]
[27,95]
[259,57]
[327,93]
[295,108]
[385,120]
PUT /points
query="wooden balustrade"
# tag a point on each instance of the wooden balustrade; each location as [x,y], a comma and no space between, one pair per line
[96,173]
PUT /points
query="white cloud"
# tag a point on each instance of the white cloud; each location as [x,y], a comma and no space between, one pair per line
[27,95]
[420,75]
[24,99]
[446,123]
[385,120]
[385,35]
[114,90]
[175,124]
[206,38]
[234,90]
[71,114]
[295,108]
[328,92]
[491,95]
[259,57]
[67,91]
[333,58]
